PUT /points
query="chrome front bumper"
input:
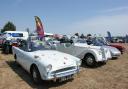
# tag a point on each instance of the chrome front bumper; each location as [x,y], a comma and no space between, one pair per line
[65,74]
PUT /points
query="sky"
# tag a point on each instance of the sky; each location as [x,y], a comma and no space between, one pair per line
[68,16]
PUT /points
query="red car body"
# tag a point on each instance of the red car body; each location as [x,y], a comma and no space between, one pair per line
[119,47]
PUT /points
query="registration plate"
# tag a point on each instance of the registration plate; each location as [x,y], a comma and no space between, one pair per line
[66,78]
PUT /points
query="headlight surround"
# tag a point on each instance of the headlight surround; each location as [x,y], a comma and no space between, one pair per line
[78,63]
[49,67]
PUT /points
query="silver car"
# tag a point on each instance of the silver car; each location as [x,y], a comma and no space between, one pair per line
[115,53]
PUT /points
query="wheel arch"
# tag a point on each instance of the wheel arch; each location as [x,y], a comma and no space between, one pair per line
[91,52]
[37,71]
[87,54]
[15,56]
[32,66]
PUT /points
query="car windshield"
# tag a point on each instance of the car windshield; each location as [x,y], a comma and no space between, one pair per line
[97,42]
[101,40]
[81,41]
[35,46]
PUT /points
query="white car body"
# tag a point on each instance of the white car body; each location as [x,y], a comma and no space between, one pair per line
[80,50]
[115,53]
[62,64]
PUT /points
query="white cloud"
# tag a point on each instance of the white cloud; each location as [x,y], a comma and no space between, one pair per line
[116,24]
[117,9]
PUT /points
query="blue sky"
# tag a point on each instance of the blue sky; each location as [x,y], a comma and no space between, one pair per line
[68,16]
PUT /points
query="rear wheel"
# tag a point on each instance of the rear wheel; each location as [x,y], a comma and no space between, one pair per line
[6,49]
[15,57]
[36,75]
[90,60]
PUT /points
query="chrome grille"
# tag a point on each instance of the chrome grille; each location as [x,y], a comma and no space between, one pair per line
[103,52]
[64,69]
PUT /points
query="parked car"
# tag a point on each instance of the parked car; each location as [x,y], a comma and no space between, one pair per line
[119,47]
[10,39]
[115,53]
[52,41]
[90,54]
[1,41]
[45,64]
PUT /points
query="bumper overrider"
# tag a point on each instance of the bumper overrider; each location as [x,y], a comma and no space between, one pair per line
[63,74]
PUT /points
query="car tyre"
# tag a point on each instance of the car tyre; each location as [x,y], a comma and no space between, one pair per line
[15,57]
[90,60]
[36,75]
[7,49]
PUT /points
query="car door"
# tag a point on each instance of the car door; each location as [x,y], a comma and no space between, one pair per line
[66,48]
[27,60]
[20,57]
[81,49]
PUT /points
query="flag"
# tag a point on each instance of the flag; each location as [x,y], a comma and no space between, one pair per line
[39,28]
[109,36]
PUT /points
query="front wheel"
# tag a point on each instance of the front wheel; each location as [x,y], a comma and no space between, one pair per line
[90,60]
[15,57]
[5,49]
[36,75]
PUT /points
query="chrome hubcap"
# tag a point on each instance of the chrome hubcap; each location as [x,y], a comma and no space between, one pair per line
[89,61]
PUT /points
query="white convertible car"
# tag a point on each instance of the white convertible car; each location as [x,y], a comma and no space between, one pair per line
[90,54]
[45,64]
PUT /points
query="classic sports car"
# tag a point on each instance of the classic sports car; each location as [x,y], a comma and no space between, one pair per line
[90,54]
[45,64]
[115,53]
[119,47]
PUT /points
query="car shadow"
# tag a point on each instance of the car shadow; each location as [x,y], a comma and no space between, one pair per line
[27,78]
[114,58]
[97,65]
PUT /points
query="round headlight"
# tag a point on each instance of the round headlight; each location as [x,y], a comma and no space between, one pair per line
[49,67]
[79,63]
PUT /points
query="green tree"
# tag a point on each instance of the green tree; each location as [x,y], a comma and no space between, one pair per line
[9,26]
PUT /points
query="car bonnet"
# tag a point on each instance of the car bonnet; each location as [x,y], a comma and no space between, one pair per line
[57,59]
